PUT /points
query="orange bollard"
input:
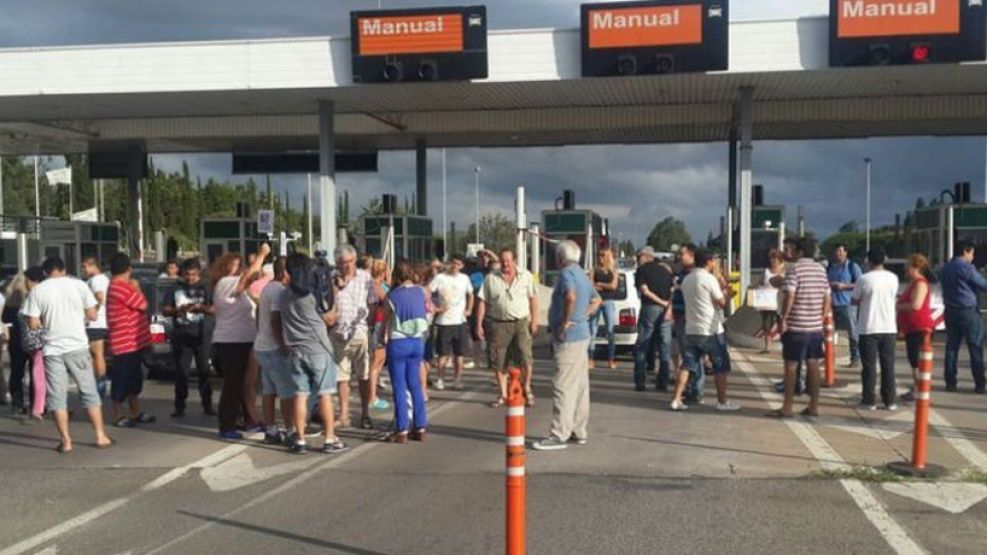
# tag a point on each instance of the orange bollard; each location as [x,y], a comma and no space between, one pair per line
[829,378]
[516,481]
[923,405]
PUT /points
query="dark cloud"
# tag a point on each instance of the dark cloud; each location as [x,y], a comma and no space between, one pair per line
[634,185]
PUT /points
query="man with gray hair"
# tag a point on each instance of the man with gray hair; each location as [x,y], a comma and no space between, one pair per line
[355,295]
[573,300]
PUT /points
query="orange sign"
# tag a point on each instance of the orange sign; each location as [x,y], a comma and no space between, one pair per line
[892,18]
[417,34]
[647,26]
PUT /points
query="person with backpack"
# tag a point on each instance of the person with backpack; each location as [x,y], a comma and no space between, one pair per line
[843,276]
[307,311]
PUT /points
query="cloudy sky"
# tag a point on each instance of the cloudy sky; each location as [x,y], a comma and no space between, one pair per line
[625,183]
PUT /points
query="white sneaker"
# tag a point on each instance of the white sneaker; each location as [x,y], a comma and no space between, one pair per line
[440,385]
[679,406]
[457,385]
[729,406]
[469,365]
[549,444]
[891,407]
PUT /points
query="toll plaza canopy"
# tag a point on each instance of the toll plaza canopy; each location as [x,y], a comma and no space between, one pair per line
[263,95]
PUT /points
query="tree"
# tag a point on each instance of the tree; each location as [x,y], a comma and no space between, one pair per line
[849,227]
[497,231]
[668,232]
[919,203]
[625,248]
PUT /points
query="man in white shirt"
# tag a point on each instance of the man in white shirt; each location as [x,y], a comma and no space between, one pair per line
[876,295]
[704,299]
[97,329]
[355,294]
[454,300]
[62,305]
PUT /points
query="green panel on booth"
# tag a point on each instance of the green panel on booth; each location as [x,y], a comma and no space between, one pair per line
[565,222]
[971,216]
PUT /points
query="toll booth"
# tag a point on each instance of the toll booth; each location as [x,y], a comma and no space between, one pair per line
[219,236]
[935,230]
[75,241]
[767,232]
[584,227]
[413,236]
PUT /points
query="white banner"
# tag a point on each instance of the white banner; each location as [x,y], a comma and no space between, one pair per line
[61,176]
[90,215]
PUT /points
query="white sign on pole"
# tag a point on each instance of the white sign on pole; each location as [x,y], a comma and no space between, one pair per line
[265,221]
[61,176]
[474,249]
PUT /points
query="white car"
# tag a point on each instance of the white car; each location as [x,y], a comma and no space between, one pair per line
[628,307]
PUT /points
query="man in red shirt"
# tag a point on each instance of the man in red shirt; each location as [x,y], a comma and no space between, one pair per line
[126,317]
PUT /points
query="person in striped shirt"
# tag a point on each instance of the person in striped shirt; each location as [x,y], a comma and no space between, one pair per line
[805,303]
[129,334]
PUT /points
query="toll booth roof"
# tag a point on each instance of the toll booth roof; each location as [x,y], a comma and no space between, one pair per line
[263,94]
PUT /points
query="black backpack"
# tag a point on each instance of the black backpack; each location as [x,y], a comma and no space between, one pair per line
[309,277]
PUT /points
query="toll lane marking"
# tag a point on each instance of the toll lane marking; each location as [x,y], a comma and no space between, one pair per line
[876,513]
[298,480]
[110,506]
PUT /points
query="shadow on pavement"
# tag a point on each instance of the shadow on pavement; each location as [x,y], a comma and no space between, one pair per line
[284,535]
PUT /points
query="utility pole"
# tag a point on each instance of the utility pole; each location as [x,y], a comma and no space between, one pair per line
[476,171]
[867,162]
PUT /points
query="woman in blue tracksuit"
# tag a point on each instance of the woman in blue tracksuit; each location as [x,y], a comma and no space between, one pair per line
[406,327]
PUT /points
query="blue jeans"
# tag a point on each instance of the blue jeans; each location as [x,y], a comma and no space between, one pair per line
[609,312]
[964,324]
[404,359]
[652,329]
[845,318]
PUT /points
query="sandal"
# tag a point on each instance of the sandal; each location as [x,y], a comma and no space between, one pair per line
[497,403]
[62,450]
[529,397]
[366,423]
[809,414]
[399,438]
[144,418]
[107,445]
[613,364]
[124,422]
[778,414]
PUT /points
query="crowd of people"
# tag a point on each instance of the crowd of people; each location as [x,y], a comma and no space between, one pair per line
[304,331]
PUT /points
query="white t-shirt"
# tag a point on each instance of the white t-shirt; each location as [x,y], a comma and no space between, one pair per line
[270,302]
[61,303]
[451,292]
[235,321]
[877,292]
[99,283]
[702,316]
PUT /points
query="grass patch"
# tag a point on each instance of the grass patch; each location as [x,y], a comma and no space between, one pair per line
[973,476]
[861,473]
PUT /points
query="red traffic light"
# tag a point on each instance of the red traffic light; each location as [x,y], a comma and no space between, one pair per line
[921,53]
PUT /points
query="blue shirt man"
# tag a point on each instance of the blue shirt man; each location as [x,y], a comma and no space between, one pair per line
[960,284]
[572,278]
[843,275]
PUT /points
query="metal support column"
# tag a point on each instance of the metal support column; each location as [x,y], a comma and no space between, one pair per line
[746,182]
[421,178]
[536,252]
[521,230]
[136,212]
[327,174]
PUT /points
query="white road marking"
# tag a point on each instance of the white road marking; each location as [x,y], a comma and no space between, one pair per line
[875,512]
[240,471]
[299,479]
[51,550]
[877,429]
[955,438]
[85,518]
[952,497]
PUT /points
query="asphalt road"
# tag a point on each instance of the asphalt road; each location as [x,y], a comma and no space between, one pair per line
[649,481]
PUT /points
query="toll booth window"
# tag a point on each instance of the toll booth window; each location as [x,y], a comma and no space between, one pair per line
[373,248]
[221,230]
[213,252]
[109,233]
[979,239]
[761,245]
[233,246]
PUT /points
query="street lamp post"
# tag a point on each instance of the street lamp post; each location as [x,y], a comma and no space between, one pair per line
[476,172]
[868,162]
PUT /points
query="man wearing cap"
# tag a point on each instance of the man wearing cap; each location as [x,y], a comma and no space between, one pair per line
[654,326]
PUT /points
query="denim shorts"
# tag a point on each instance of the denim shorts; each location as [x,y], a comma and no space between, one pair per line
[313,374]
[801,347]
[698,347]
[78,364]
[275,373]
